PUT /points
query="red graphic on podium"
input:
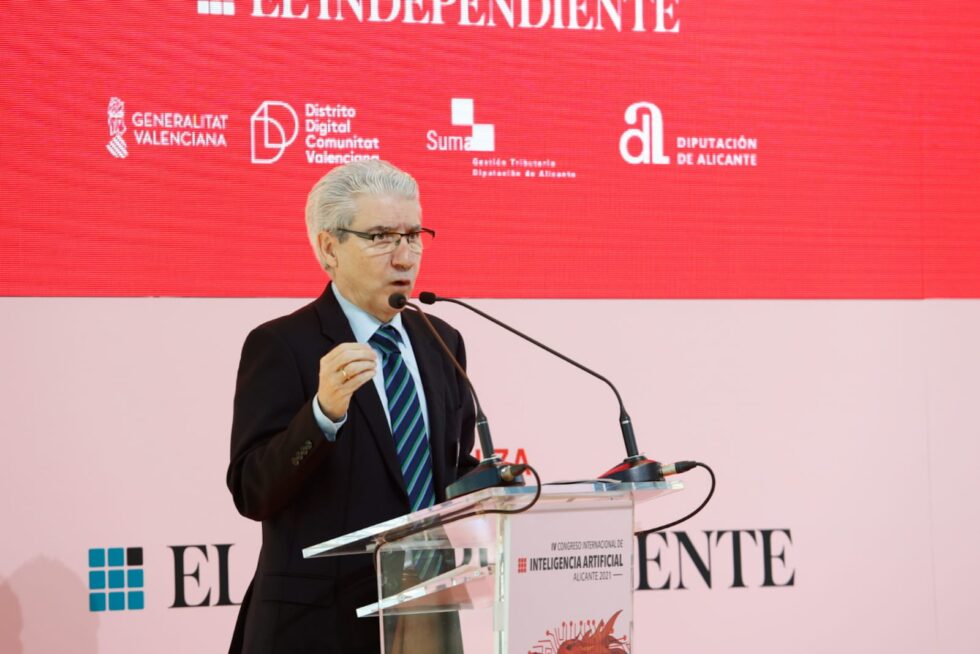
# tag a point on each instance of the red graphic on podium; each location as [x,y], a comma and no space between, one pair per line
[583,637]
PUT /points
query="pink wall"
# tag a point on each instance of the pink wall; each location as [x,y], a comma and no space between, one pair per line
[851,424]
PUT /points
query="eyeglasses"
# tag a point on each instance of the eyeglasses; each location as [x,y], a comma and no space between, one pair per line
[383,242]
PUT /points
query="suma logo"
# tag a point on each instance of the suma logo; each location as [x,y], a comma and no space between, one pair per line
[481,137]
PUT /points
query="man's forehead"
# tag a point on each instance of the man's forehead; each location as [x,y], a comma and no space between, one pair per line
[385,212]
[369,223]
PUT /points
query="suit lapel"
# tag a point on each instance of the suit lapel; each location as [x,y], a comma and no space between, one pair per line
[365,400]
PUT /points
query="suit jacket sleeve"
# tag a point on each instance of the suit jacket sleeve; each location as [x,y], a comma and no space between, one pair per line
[275,441]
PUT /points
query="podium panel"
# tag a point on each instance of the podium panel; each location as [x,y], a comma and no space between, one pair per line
[464,577]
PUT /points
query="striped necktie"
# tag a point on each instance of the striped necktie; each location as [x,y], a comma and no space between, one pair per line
[407,422]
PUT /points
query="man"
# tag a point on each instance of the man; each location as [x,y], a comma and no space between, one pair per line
[323,394]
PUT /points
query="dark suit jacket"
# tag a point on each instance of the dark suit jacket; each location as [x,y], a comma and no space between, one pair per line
[305,489]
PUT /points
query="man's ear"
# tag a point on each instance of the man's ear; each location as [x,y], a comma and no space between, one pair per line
[327,246]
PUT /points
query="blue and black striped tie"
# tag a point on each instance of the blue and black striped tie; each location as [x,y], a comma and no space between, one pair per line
[407,422]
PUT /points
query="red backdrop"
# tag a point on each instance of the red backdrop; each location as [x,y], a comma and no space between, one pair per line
[856,176]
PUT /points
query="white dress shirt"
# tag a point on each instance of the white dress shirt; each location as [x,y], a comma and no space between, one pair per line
[364,325]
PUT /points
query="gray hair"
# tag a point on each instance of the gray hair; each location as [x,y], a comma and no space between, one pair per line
[331,203]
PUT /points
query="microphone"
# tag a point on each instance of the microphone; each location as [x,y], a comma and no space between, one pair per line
[635,467]
[491,471]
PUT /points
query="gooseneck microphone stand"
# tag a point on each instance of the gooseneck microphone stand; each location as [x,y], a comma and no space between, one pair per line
[635,467]
[491,471]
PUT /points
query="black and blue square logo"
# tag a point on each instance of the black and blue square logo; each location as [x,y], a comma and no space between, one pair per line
[115,579]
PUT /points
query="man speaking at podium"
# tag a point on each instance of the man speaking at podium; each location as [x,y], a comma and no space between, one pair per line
[346,413]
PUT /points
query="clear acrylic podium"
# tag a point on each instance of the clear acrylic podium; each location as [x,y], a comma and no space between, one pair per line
[557,577]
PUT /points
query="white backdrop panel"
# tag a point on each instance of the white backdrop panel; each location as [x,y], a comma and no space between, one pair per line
[851,424]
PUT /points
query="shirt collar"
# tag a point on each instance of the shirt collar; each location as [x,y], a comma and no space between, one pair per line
[362,323]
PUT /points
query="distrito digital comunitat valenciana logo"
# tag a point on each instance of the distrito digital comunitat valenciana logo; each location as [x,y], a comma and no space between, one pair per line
[274,128]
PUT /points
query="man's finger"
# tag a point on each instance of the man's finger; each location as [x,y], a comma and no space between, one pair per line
[355,368]
[349,352]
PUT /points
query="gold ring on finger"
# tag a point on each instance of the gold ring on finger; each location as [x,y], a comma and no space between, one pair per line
[344,370]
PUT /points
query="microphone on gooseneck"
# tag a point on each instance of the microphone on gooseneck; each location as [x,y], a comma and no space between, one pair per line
[399,301]
[636,467]
[491,471]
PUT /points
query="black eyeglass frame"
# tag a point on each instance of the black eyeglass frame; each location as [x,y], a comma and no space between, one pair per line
[375,236]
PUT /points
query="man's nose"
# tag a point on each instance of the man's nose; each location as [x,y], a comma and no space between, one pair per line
[404,256]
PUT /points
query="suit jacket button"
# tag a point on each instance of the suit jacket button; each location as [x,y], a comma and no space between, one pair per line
[295,461]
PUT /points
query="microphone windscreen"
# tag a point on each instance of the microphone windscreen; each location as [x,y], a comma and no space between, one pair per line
[397,300]
[425,297]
